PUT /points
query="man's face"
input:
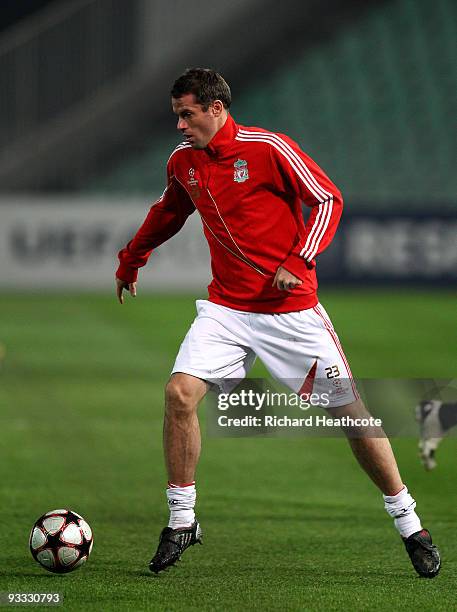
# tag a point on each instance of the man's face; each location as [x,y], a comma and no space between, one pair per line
[197,125]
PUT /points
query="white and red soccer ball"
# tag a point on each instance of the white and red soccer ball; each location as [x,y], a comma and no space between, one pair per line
[61,541]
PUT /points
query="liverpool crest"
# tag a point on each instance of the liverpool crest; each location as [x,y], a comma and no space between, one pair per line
[240,173]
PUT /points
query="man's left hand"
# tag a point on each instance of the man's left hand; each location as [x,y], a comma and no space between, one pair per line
[285,280]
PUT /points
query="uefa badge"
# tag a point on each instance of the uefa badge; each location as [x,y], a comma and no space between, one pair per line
[240,173]
[194,183]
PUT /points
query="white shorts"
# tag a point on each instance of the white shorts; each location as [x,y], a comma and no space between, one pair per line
[300,349]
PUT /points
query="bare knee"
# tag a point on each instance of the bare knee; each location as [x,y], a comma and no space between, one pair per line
[357,422]
[183,394]
[354,409]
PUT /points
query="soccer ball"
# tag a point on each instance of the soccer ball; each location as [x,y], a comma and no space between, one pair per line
[61,541]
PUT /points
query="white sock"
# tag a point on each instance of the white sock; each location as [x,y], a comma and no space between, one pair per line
[401,508]
[181,502]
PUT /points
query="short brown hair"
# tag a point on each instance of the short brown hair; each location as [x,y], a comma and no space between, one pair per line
[207,85]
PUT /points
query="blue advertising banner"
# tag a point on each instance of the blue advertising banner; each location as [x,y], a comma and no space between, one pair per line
[392,248]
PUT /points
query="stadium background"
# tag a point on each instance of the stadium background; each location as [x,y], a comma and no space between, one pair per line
[369,90]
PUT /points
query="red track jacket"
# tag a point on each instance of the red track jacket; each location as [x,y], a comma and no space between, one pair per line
[247,185]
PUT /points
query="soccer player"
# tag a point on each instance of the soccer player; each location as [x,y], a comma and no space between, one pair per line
[248,186]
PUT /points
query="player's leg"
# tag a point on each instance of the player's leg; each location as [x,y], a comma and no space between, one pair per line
[376,457]
[435,419]
[181,443]
[212,353]
[373,452]
[181,429]
[303,351]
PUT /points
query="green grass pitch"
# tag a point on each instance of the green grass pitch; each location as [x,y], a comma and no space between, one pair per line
[289,524]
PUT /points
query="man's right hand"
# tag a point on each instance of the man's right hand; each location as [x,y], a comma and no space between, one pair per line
[121,285]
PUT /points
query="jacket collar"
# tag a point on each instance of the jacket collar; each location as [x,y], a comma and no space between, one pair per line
[223,139]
